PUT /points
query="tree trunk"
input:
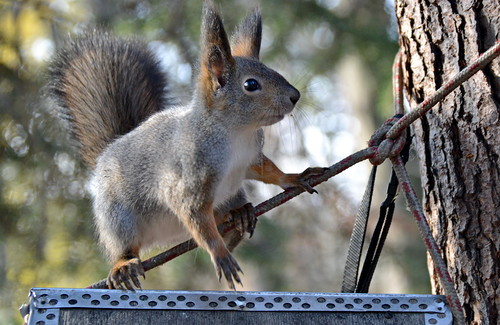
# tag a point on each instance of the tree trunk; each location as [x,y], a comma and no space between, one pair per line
[458,142]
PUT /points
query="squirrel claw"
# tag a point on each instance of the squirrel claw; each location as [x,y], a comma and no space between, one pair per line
[244,219]
[228,266]
[304,185]
[301,180]
[125,275]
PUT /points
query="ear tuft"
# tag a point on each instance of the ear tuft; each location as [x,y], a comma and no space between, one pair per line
[216,59]
[248,36]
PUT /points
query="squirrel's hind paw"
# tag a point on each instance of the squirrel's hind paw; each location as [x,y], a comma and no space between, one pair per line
[244,219]
[125,274]
[228,266]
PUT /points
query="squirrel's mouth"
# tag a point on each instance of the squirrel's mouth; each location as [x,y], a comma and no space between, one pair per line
[272,119]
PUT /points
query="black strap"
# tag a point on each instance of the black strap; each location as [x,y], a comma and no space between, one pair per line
[382,228]
[379,236]
[350,281]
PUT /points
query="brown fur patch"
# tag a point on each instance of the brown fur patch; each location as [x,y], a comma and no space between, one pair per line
[205,85]
[267,172]
[203,228]
[243,48]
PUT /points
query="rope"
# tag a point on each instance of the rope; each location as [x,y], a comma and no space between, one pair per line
[444,90]
[430,243]
[397,85]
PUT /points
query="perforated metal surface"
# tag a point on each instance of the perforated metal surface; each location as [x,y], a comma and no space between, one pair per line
[46,303]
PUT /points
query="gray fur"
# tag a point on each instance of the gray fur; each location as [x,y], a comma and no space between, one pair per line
[105,87]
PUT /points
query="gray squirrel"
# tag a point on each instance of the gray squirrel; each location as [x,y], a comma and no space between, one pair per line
[163,173]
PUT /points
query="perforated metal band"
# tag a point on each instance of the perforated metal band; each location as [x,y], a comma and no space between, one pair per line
[46,303]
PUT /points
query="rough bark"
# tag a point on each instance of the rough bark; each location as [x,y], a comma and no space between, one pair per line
[458,142]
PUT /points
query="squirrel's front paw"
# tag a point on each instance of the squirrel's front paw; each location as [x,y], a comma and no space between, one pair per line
[244,219]
[228,266]
[301,180]
[125,274]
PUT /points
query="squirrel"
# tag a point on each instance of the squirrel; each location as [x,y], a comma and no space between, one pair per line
[163,173]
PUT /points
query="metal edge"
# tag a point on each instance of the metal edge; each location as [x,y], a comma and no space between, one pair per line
[37,315]
[56,298]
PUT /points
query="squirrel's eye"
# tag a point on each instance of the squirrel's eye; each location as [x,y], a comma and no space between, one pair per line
[251,85]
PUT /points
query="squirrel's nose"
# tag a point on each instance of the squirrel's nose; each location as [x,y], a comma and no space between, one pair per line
[294,98]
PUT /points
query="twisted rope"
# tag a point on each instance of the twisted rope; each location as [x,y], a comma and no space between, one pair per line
[443,91]
[429,241]
[397,85]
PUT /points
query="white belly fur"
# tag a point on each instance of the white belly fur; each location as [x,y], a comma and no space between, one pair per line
[164,229]
[243,152]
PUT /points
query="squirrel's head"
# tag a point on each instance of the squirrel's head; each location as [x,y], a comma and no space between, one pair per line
[233,81]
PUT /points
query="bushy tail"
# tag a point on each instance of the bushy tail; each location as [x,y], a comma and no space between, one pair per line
[105,87]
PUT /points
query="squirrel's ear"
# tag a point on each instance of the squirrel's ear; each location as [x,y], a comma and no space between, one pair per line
[216,59]
[248,36]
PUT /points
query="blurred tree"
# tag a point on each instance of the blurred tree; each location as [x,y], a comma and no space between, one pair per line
[338,52]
